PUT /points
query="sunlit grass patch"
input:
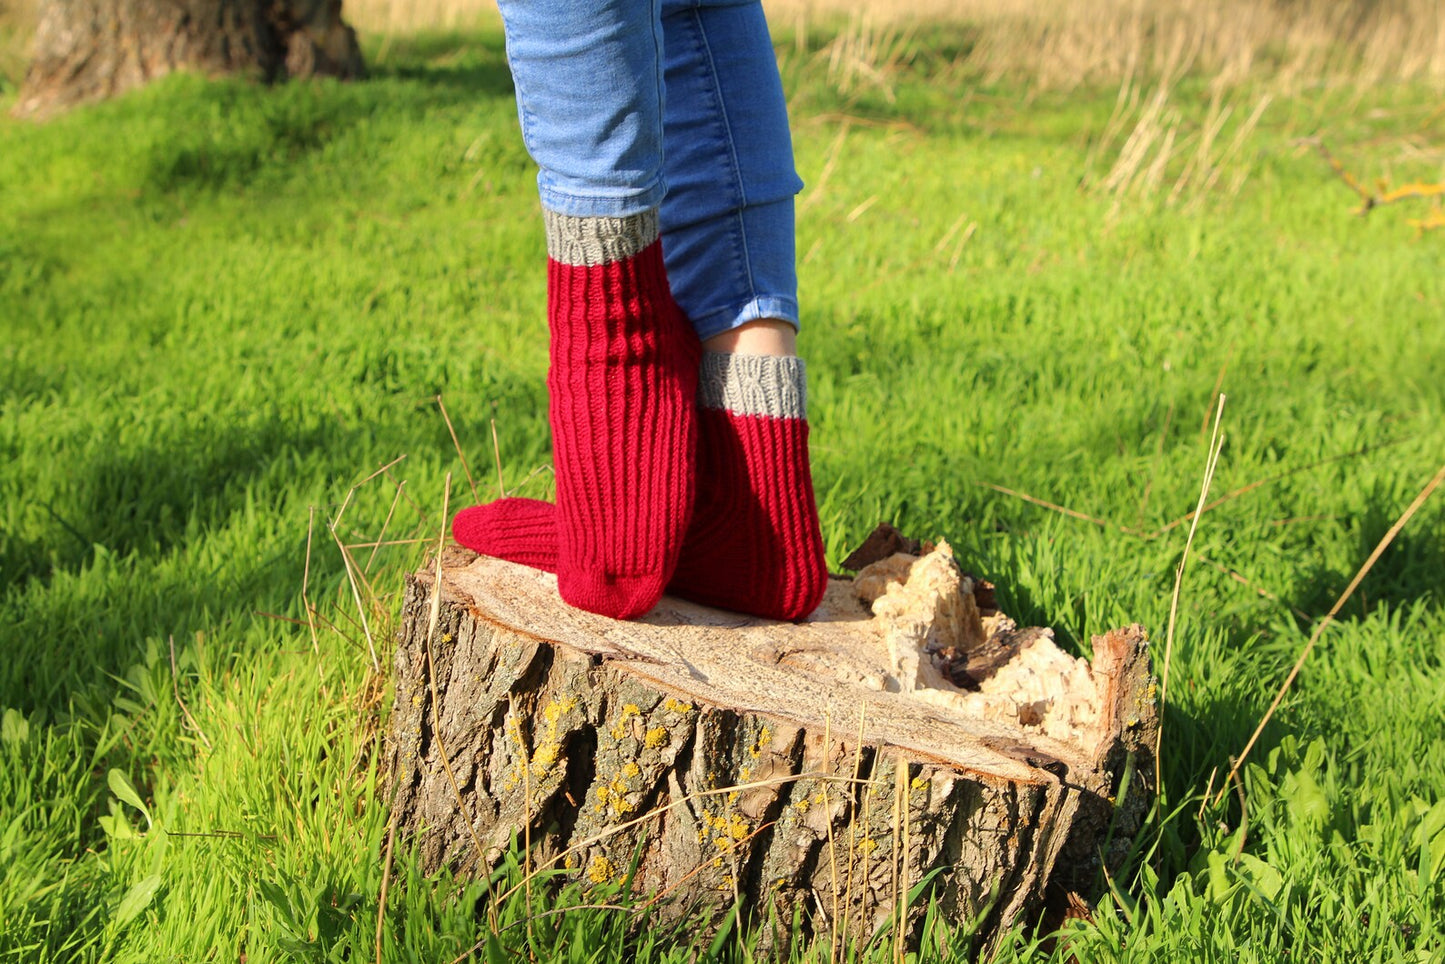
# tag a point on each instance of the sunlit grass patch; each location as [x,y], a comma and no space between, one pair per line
[224,306]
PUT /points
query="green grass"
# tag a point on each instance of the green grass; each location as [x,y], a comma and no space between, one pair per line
[223,305]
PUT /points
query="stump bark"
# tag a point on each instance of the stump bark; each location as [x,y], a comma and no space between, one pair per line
[87,50]
[906,737]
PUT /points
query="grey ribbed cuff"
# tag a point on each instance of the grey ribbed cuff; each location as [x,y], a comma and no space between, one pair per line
[585,242]
[753,384]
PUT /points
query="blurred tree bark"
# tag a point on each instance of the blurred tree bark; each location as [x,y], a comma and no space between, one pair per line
[87,50]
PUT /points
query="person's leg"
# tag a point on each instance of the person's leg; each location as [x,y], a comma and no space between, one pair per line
[623,370]
[728,235]
[754,543]
[727,218]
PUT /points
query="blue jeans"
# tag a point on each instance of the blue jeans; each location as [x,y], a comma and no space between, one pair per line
[627,105]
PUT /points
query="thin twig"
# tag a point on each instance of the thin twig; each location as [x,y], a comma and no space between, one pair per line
[666,808]
[305,586]
[384,470]
[1246,489]
[351,578]
[853,823]
[832,841]
[388,542]
[1071,513]
[1369,200]
[497,454]
[899,769]
[380,536]
[1243,815]
[1218,387]
[1208,788]
[1384,543]
[831,160]
[698,868]
[539,470]
[549,913]
[1263,593]
[278,617]
[1302,518]
[526,828]
[458,446]
[420,512]
[223,835]
[385,882]
[176,689]
[901,898]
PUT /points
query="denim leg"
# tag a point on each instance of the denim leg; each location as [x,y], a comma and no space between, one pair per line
[590,99]
[727,217]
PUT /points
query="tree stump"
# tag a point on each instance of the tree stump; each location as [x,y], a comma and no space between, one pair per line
[86,50]
[831,766]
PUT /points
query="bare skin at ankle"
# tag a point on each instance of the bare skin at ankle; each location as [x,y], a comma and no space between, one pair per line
[766,336]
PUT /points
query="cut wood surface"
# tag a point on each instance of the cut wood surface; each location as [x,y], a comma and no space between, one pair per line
[829,765]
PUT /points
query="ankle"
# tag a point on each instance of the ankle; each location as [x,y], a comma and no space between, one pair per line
[766,336]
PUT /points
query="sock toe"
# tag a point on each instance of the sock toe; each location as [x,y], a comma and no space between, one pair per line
[517,530]
[617,596]
[470,527]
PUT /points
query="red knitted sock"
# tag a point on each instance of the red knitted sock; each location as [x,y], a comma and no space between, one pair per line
[517,530]
[622,382]
[754,545]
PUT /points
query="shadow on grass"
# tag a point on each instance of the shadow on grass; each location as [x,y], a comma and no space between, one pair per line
[1408,572]
[149,499]
[200,529]
[470,64]
[185,130]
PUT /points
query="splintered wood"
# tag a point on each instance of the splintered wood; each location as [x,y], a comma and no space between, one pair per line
[905,731]
[926,611]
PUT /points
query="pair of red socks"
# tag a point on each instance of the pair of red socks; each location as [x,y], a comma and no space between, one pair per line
[676,470]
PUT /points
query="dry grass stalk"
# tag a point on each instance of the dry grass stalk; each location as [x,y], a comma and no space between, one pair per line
[1062,510]
[1216,444]
[471,482]
[1364,570]
[1052,43]
[867,53]
[381,536]
[190,721]
[1060,45]
[354,576]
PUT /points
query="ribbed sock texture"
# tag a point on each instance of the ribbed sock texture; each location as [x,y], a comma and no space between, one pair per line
[623,382]
[754,545]
[518,530]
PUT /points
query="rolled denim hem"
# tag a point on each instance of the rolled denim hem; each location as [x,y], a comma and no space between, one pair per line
[619,205]
[773,307]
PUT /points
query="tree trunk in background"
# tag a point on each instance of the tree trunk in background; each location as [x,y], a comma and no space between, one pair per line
[822,768]
[87,50]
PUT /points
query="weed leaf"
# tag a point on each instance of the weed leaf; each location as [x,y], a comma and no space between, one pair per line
[137,899]
[14,728]
[124,791]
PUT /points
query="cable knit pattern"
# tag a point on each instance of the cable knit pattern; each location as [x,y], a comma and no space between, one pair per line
[587,242]
[753,384]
